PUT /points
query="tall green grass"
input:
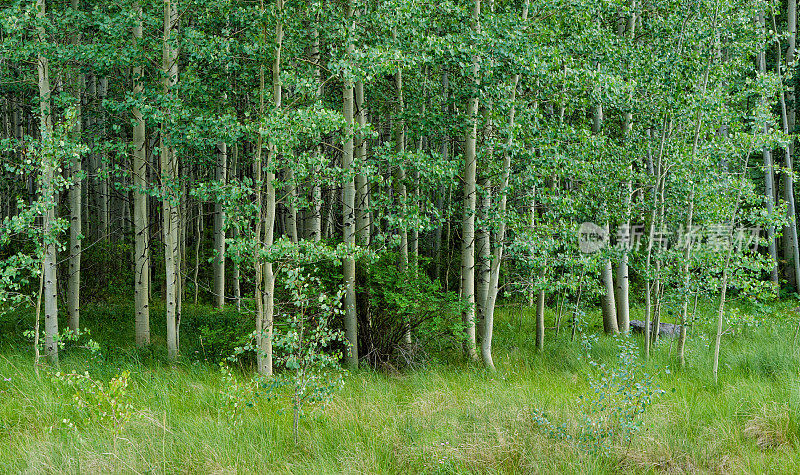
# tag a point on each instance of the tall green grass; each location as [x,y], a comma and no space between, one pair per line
[449,417]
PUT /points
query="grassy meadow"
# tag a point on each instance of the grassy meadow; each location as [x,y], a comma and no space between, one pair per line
[443,417]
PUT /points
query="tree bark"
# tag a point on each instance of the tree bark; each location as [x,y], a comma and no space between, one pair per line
[348,208]
[140,210]
[316,189]
[769,172]
[609,305]
[622,273]
[50,282]
[75,207]
[788,178]
[221,173]
[103,193]
[169,176]
[470,199]
[235,272]
[362,184]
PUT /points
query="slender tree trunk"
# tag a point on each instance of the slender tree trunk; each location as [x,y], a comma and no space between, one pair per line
[540,315]
[482,255]
[75,208]
[267,288]
[140,214]
[348,208]
[687,253]
[104,194]
[235,272]
[788,177]
[92,194]
[769,170]
[470,199]
[725,275]
[440,202]
[655,171]
[316,189]
[348,204]
[362,184]
[401,195]
[607,272]
[681,350]
[291,205]
[198,233]
[623,275]
[219,228]
[169,174]
[50,286]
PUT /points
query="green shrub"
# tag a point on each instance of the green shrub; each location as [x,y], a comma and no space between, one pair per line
[618,398]
[393,303]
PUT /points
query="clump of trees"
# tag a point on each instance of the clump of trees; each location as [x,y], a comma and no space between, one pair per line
[466,141]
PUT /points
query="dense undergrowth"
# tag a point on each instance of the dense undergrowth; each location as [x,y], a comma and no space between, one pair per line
[445,417]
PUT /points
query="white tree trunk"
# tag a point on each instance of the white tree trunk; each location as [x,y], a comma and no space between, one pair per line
[48,193]
[102,163]
[470,201]
[219,228]
[169,175]
[362,184]
[315,224]
[140,209]
[348,212]
[788,182]
[235,272]
[75,208]
[769,172]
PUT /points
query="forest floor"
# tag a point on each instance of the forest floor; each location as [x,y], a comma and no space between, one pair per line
[441,418]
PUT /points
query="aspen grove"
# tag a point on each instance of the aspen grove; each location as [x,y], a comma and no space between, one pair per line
[322,196]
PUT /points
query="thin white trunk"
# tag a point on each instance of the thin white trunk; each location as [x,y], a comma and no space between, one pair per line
[769,171]
[219,228]
[75,194]
[608,301]
[788,177]
[102,163]
[622,273]
[482,255]
[362,184]
[348,210]
[140,210]
[169,176]
[266,297]
[235,272]
[470,200]
[291,205]
[315,224]
[48,193]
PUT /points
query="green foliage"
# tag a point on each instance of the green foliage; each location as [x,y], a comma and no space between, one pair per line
[94,402]
[67,338]
[393,302]
[310,366]
[235,396]
[211,335]
[613,409]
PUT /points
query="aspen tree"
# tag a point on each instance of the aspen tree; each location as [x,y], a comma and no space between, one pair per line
[470,198]
[75,208]
[169,176]
[50,275]
[140,210]
[348,206]
[220,171]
